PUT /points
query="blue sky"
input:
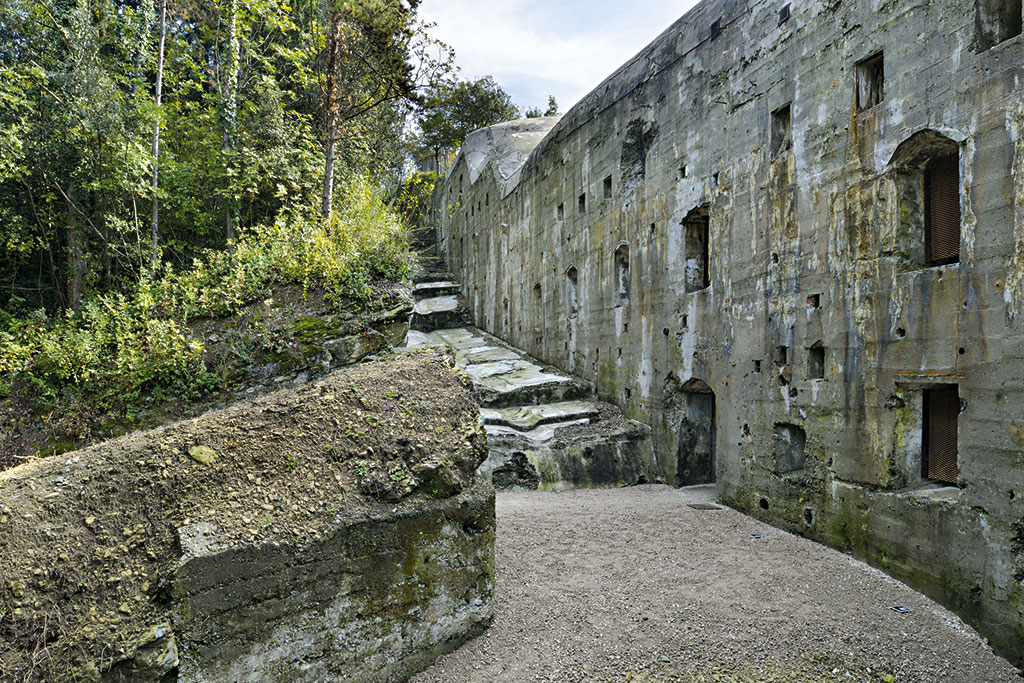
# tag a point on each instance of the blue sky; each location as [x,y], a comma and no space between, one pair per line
[536,48]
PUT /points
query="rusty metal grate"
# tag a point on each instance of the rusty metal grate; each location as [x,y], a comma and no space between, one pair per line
[941,410]
[942,211]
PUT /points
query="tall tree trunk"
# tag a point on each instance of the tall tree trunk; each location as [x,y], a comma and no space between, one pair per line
[76,252]
[332,110]
[155,259]
[231,117]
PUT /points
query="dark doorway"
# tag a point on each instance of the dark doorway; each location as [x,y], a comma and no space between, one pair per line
[695,462]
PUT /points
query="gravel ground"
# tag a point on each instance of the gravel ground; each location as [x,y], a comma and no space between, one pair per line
[634,585]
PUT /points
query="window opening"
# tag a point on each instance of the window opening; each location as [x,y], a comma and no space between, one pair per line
[608,187]
[870,82]
[784,14]
[696,229]
[996,21]
[716,28]
[942,211]
[789,448]
[560,212]
[572,291]
[582,203]
[622,275]
[782,131]
[814,302]
[816,362]
[941,413]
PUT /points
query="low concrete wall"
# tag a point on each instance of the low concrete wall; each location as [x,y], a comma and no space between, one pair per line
[371,600]
[336,531]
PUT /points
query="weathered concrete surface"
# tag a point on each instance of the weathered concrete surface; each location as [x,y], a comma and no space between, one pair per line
[544,428]
[336,531]
[791,363]
[375,599]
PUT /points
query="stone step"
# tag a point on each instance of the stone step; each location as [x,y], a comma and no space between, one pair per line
[437,313]
[434,288]
[432,274]
[504,376]
[528,418]
[601,450]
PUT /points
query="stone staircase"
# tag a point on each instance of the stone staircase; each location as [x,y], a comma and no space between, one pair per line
[545,428]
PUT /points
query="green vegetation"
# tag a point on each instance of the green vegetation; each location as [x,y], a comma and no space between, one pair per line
[167,166]
[125,344]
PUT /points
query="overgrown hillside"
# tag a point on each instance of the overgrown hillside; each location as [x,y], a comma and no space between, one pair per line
[302,294]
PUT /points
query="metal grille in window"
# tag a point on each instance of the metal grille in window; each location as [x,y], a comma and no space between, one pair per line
[942,217]
[941,410]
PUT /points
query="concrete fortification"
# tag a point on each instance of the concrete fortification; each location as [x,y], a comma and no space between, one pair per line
[789,237]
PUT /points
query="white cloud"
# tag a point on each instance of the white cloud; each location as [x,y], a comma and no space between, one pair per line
[535,47]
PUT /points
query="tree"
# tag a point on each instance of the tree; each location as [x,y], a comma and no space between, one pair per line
[369,50]
[536,113]
[453,110]
[155,226]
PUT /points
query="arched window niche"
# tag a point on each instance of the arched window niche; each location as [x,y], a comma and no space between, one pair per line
[925,169]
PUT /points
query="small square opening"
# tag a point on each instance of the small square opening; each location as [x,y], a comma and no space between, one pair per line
[996,21]
[781,355]
[716,28]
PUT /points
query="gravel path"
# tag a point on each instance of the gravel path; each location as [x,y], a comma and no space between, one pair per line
[634,585]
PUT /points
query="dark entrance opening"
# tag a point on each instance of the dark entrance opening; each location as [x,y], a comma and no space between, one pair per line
[695,462]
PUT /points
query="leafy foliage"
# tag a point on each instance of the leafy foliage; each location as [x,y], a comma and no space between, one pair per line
[125,343]
[241,128]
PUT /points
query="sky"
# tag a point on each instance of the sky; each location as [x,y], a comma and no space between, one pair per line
[536,48]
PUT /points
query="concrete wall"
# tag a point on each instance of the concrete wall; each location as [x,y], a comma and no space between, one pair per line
[797,377]
[335,531]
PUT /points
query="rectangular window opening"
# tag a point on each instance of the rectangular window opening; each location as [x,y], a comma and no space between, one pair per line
[784,14]
[870,82]
[781,356]
[757,366]
[940,432]
[816,362]
[716,28]
[622,275]
[560,212]
[697,234]
[608,187]
[782,130]
[814,302]
[996,21]
[942,211]
[582,203]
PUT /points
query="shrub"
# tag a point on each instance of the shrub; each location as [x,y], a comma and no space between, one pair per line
[122,344]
